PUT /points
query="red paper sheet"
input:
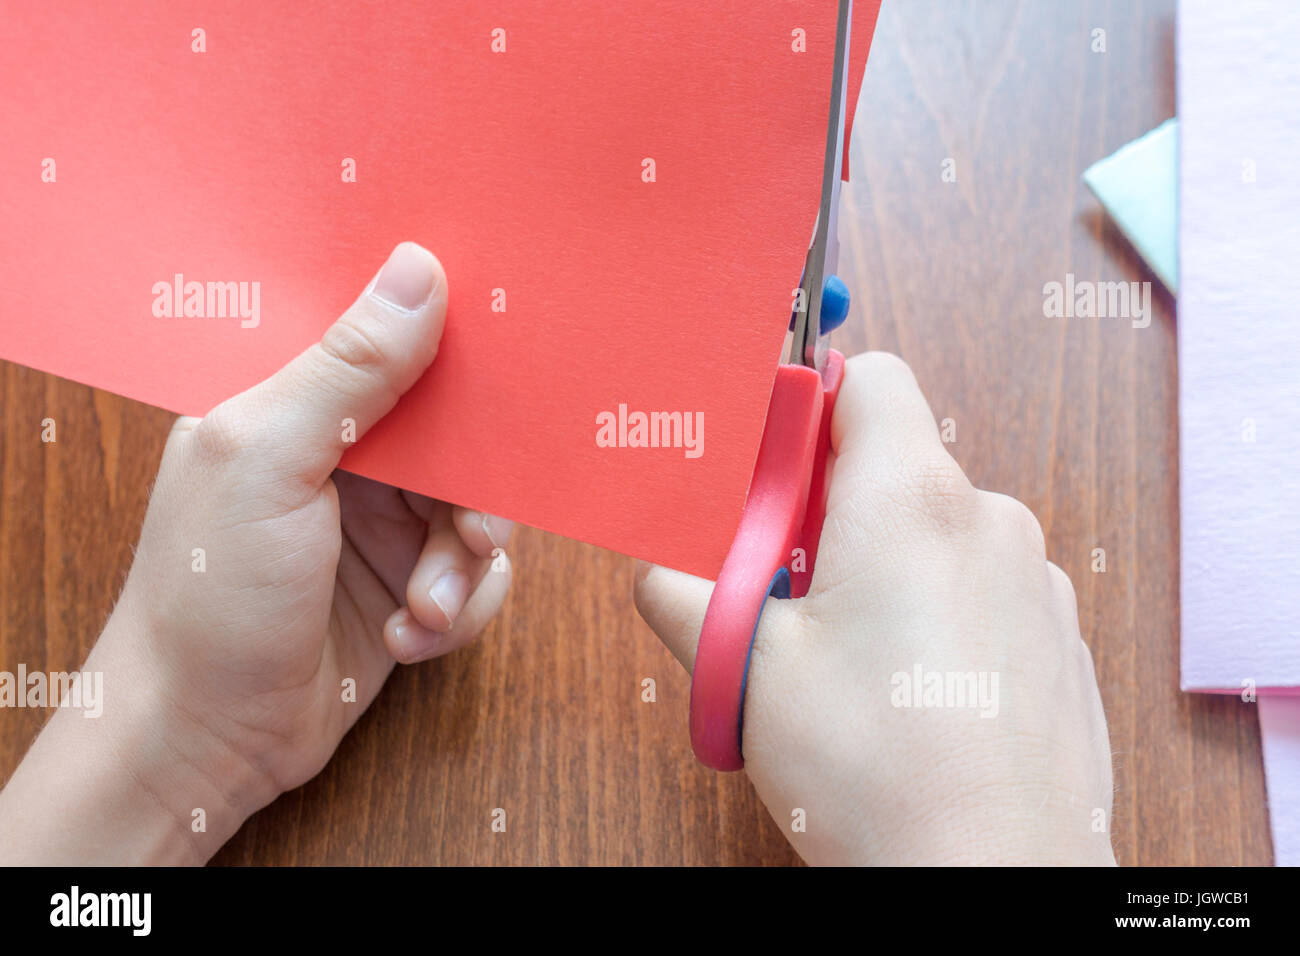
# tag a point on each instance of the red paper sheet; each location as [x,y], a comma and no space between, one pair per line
[522,170]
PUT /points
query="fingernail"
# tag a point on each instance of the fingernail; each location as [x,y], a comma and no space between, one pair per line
[449,592]
[407,280]
[412,640]
[497,529]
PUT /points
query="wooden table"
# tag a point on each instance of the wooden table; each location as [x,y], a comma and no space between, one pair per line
[544,717]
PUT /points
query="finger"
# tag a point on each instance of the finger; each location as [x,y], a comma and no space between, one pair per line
[880,412]
[378,521]
[366,658]
[673,604]
[485,534]
[298,419]
[891,476]
[483,605]
[442,579]
[409,641]
[422,506]
[406,638]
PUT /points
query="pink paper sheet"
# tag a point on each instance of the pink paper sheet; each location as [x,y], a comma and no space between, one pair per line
[1279,726]
[1239,343]
[1239,372]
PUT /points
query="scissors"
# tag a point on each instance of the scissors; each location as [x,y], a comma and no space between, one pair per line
[775,546]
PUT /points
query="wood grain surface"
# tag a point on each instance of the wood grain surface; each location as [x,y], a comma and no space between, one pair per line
[544,716]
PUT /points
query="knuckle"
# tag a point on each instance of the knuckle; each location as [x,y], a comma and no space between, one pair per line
[181,429]
[350,344]
[183,426]
[1085,657]
[220,436]
[874,376]
[644,593]
[884,364]
[1013,515]
[640,574]
[934,484]
[1061,581]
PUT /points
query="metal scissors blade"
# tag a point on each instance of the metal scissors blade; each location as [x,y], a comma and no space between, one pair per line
[808,345]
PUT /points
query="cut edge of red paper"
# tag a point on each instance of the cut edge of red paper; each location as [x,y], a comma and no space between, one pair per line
[858,57]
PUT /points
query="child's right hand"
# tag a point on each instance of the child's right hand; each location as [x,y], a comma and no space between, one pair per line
[917,571]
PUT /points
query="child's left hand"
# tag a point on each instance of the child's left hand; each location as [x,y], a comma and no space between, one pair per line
[270,595]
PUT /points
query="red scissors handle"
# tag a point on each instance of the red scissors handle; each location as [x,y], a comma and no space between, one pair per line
[773,552]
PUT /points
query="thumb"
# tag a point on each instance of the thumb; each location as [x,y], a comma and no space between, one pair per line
[673,604]
[298,418]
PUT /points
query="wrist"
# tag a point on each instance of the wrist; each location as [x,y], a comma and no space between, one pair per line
[141,783]
[204,786]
